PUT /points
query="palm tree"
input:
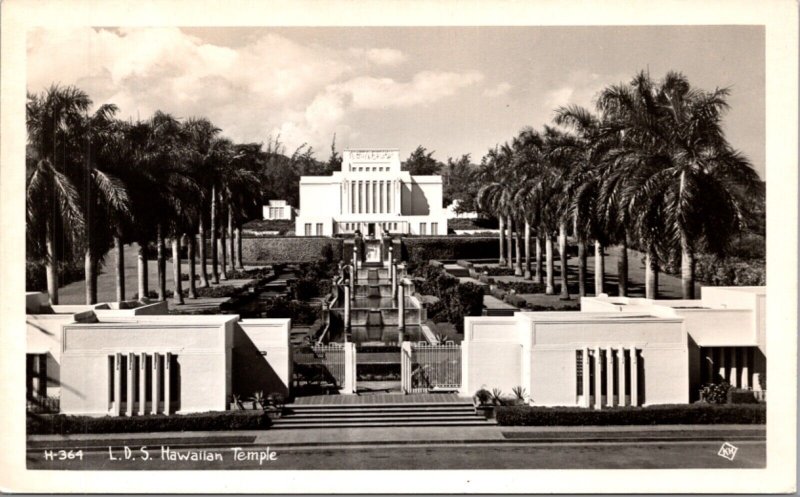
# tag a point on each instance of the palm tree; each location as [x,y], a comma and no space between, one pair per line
[495,195]
[53,201]
[106,204]
[202,149]
[687,171]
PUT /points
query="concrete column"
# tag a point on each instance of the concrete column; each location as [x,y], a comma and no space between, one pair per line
[634,377]
[142,384]
[131,385]
[400,306]
[351,281]
[349,369]
[167,387]
[346,310]
[610,377]
[722,363]
[155,371]
[586,383]
[393,269]
[598,379]
[118,372]
[745,368]
[355,261]
[734,380]
[623,385]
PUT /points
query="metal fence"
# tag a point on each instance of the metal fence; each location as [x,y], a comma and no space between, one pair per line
[319,364]
[43,405]
[427,367]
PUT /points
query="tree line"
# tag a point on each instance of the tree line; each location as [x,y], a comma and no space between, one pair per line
[96,183]
[649,167]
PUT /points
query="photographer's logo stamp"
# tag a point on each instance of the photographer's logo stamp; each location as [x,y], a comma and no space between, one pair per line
[728,451]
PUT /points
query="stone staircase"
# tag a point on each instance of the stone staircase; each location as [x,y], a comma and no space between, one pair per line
[379,415]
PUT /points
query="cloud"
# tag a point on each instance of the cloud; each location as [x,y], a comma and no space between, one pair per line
[496,91]
[270,84]
[326,113]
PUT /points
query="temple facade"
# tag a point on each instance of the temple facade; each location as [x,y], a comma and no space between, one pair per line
[373,196]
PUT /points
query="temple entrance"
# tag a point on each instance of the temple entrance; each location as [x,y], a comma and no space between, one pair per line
[371,230]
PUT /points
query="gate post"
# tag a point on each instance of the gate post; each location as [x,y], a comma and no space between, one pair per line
[349,368]
[405,366]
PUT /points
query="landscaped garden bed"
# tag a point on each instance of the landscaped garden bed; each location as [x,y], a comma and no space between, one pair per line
[61,424]
[698,413]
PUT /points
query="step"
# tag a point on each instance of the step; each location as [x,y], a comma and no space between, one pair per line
[283,424]
[378,408]
[435,405]
[378,417]
[389,414]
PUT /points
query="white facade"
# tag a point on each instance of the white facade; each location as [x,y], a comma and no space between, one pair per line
[655,351]
[278,210]
[372,195]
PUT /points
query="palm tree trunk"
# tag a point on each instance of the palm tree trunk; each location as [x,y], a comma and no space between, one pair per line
[142,269]
[622,267]
[551,283]
[223,256]
[582,268]
[599,268]
[687,268]
[651,274]
[214,256]
[201,248]
[518,250]
[239,247]
[51,271]
[502,261]
[539,273]
[177,293]
[527,250]
[231,241]
[510,241]
[161,264]
[120,251]
[90,271]
[562,252]
[191,240]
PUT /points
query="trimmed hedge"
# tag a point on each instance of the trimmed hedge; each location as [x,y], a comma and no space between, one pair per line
[423,249]
[61,424]
[699,413]
[290,249]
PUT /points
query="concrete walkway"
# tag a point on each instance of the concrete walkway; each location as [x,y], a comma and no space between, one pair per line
[408,435]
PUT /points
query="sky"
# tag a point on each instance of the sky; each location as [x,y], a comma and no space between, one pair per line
[454,90]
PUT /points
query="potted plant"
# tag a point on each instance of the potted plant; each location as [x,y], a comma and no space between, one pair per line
[259,400]
[520,395]
[481,400]
[276,403]
[236,403]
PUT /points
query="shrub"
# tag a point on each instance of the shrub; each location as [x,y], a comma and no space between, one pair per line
[60,424]
[298,312]
[715,393]
[724,271]
[36,277]
[495,270]
[424,249]
[483,396]
[740,396]
[699,413]
[521,286]
[270,250]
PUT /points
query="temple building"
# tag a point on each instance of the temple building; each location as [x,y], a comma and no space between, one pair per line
[371,195]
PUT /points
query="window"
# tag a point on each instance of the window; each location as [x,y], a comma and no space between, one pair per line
[111,374]
[579,372]
[423,229]
[308,229]
[434,228]
[36,369]
[319,229]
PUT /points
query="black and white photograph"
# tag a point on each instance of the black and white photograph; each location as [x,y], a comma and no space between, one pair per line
[451,240]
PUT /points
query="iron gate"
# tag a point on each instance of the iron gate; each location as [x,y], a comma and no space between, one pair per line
[426,367]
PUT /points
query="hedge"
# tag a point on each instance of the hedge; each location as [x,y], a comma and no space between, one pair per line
[61,424]
[423,249]
[290,249]
[699,413]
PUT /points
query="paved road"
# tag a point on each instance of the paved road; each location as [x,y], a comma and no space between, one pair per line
[503,455]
